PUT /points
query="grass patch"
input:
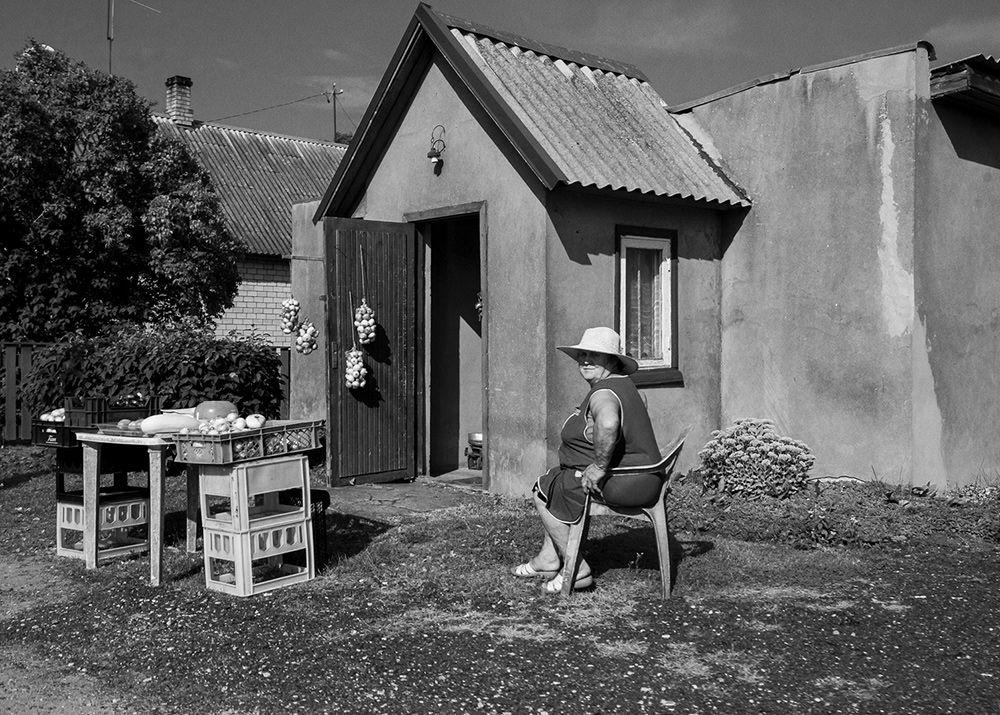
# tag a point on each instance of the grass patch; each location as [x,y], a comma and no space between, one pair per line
[421,615]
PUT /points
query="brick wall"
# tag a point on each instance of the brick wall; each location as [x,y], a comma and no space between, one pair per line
[266,283]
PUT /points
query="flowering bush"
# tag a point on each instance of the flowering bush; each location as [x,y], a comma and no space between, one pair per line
[750,459]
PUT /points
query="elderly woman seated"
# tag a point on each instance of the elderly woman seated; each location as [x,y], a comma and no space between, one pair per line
[611,428]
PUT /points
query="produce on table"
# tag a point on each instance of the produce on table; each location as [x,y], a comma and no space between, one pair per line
[168,423]
[57,415]
[214,408]
[232,422]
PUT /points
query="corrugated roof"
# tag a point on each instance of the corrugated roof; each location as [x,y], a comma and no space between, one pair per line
[575,119]
[601,128]
[259,176]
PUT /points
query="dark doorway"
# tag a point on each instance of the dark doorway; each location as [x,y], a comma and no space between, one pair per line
[453,356]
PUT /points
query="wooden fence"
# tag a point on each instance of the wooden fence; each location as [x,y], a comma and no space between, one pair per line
[17,366]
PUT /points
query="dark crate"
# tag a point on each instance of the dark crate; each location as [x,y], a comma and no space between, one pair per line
[89,411]
[56,434]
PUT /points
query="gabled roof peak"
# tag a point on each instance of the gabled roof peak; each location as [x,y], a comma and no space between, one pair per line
[574,119]
[541,48]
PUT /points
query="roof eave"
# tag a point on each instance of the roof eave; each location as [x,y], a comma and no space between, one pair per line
[426,30]
[973,83]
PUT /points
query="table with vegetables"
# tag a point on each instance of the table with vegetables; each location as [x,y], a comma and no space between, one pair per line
[213,433]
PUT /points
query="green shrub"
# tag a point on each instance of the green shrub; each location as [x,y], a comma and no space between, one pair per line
[180,363]
[750,459]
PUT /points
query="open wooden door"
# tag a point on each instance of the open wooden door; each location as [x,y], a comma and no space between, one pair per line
[372,429]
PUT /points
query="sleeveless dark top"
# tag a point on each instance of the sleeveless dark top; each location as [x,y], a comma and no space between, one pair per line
[637,444]
[560,487]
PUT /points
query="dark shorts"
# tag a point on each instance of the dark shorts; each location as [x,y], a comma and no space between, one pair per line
[562,492]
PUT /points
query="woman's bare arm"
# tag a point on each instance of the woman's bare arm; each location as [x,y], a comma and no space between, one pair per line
[606,412]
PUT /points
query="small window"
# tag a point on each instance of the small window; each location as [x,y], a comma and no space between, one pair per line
[646,298]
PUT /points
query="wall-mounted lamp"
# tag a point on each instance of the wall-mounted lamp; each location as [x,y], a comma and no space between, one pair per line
[437,148]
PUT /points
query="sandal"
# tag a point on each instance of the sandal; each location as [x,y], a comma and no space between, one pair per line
[554,585]
[526,570]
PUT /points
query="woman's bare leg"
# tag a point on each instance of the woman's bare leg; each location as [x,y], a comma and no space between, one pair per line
[550,556]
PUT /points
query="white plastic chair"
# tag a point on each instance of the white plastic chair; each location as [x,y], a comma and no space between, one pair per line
[655,512]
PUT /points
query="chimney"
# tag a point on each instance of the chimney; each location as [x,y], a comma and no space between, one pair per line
[179,101]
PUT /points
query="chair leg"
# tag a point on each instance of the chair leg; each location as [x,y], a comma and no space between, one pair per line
[571,559]
[658,515]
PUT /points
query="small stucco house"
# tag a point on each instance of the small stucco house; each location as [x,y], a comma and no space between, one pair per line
[258,177]
[815,248]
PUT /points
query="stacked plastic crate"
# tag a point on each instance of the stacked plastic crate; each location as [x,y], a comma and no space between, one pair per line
[254,541]
[122,508]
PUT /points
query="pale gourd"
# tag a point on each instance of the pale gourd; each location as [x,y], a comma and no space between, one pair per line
[160,424]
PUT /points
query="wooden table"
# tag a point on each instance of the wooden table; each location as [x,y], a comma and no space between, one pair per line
[93,444]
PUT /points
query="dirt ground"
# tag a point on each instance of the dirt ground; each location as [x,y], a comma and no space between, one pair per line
[914,631]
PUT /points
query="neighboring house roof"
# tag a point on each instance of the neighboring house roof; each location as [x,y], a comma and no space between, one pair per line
[575,119]
[782,76]
[258,177]
[973,82]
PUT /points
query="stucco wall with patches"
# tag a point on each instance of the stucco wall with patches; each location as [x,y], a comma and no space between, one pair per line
[582,293]
[957,378]
[818,282]
[476,168]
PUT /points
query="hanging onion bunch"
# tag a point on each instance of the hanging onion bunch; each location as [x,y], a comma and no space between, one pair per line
[364,322]
[355,372]
[305,342]
[289,316]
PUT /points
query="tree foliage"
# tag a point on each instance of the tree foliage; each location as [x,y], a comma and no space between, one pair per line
[102,218]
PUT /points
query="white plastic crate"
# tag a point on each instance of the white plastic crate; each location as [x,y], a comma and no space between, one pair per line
[248,493]
[115,528]
[251,562]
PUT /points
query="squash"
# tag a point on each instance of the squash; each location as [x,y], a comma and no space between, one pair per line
[159,424]
[213,408]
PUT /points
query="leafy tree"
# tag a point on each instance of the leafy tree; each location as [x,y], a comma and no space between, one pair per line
[102,219]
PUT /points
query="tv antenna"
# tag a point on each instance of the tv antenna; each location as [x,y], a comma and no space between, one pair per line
[111,24]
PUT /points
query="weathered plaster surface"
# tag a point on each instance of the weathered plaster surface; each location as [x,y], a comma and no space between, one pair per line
[817,284]
[897,281]
[958,299]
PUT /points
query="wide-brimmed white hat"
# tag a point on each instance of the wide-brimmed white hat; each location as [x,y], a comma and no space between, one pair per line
[601,340]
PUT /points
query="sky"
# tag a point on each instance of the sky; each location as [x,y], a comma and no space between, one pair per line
[269,65]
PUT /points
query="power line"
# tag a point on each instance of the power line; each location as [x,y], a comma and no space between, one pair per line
[349,117]
[273,106]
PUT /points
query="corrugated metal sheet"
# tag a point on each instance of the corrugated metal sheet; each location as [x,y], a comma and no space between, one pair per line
[602,129]
[259,176]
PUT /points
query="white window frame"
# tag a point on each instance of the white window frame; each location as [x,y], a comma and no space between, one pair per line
[665,245]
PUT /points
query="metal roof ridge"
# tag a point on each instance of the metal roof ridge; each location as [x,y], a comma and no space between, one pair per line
[768,79]
[215,125]
[556,51]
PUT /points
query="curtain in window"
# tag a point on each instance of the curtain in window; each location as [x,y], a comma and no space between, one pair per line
[643,323]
